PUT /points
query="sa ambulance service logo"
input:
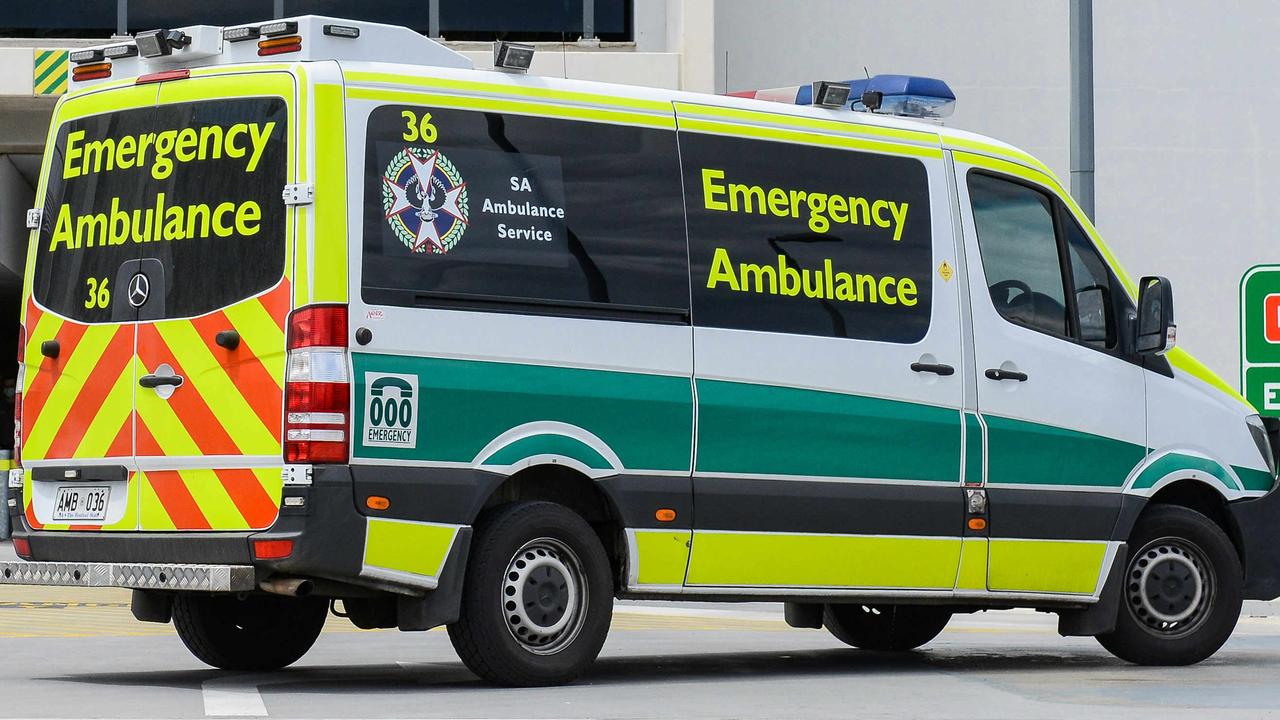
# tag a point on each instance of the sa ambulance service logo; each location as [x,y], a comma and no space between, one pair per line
[390,410]
[425,200]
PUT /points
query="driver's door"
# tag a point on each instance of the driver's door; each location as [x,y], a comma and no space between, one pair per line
[1062,404]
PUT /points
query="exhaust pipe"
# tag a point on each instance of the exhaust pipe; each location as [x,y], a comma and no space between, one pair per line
[292,587]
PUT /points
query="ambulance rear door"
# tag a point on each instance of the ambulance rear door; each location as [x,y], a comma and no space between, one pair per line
[77,364]
[210,334]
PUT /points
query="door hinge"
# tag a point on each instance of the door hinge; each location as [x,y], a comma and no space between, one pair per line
[34,216]
[299,193]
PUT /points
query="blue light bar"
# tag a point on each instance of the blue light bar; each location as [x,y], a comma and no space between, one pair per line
[906,95]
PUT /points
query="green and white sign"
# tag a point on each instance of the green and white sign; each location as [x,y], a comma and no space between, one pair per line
[1260,338]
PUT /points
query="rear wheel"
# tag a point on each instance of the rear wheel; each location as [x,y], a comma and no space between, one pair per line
[885,628]
[538,597]
[1182,591]
[258,632]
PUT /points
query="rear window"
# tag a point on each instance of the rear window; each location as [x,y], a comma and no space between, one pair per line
[188,194]
[507,212]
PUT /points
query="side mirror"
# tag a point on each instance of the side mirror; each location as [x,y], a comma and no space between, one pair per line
[1156,333]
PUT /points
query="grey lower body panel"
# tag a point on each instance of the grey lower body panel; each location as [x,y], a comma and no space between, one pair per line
[139,576]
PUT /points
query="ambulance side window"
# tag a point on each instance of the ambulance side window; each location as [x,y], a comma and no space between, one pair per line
[790,238]
[1019,251]
[513,213]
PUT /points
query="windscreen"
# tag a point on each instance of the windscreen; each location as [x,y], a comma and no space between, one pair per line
[188,192]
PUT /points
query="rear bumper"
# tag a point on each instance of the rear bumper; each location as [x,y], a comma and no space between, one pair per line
[328,533]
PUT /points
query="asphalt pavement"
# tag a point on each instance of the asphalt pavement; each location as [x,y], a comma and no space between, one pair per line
[78,653]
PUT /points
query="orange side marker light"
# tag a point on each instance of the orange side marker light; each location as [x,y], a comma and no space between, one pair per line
[665,515]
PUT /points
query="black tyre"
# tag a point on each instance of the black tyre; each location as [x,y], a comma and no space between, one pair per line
[258,632]
[537,599]
[1182,592]
[885,628]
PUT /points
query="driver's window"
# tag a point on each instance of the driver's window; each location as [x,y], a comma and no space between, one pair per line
[1019,253]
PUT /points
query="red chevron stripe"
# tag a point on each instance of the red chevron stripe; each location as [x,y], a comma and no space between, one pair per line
[93,394]
[194,413]
[245,369]
[278,302]
[49,373]
[177,501]
[257,507]
[31,517]
[123,442]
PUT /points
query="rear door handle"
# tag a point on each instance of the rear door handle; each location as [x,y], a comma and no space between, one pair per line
[155,381]
[935,368]
[998,374]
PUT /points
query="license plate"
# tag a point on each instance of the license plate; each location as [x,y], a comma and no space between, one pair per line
[82,503]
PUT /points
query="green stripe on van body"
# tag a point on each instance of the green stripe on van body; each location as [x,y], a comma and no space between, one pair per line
[647,420]
[770,430]
[1254,480]
[548,445]
[1030,453]
[1175,462]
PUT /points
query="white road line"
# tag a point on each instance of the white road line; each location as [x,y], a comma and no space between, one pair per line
[232,696]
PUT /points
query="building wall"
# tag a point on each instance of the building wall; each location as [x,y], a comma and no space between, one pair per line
[1184,99]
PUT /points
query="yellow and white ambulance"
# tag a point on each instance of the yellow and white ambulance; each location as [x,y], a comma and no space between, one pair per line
[318,318]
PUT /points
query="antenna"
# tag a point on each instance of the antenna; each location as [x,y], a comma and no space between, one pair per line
[866,72]
[564,57]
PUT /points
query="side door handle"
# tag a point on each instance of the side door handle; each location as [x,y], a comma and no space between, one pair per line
[998,374]
[935,368]
[155,381]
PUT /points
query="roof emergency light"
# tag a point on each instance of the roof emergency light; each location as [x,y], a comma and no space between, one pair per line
[515,57]
[158,43]
[905,95]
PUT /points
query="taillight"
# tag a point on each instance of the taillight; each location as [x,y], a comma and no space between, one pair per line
[317,386]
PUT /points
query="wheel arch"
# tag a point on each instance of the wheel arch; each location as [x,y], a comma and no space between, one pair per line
[572,488]
[1191,493]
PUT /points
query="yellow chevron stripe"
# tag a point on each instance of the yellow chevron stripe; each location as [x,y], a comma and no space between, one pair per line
[83,359]
[151,512]
[129,521]
[219,392]
[272,481]
[46,329]
[260,334]
[214,501]
[113,413]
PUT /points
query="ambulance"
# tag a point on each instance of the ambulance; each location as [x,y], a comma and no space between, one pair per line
[319,319]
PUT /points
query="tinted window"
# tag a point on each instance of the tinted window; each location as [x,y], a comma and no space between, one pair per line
[1019,252]
[1093,288]
[797,239]
[478,208]
[188,193]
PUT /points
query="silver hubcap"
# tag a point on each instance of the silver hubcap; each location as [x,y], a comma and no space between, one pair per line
[1170,589]
[544,596]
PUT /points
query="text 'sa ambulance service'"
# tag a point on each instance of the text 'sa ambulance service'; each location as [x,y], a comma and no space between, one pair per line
[308,326]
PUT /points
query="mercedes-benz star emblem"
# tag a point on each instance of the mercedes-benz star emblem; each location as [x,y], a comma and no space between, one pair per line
[139,289]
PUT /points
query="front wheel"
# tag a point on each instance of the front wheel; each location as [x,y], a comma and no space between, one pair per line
[538,597]
[885,628]
[258,632]
[1182,590]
